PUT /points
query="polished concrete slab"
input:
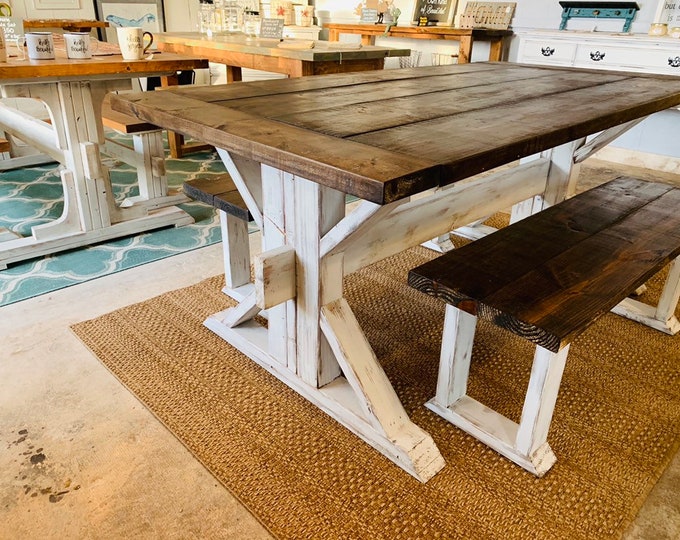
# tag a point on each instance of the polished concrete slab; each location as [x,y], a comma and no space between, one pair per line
[80,457]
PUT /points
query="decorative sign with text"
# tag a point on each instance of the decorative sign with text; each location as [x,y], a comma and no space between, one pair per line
[12,26]
[439,12]
[668,12]
[271,28]
[369,15]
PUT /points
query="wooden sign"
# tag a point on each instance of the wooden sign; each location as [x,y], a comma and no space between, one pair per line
[439,12]
[491,15]
[271,28]
[12,26]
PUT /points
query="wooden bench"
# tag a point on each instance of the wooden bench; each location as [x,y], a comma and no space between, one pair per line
[221,192]
[146,154]
[547,278]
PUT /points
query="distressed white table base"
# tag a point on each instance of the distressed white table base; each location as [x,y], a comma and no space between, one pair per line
[72,138]
[313,342]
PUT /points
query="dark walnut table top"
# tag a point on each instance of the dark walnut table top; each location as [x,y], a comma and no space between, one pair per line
[385,135]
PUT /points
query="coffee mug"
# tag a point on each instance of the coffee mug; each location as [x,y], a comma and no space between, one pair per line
[131,42]
[78,45]
[40,45]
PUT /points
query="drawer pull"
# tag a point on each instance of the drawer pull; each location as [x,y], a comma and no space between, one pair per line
[674,62]
[596,56]
[547,51]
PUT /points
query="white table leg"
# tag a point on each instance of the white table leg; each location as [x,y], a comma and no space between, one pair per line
[325,334]
[90,213]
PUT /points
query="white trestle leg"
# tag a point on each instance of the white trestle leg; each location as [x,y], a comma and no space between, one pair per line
[662,316]
[524,443]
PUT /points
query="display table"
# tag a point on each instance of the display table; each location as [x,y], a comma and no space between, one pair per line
[73,91]
[295,148]
[465,36]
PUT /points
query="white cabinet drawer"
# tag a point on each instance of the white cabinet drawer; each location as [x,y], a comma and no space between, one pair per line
[548,51]
[607,56]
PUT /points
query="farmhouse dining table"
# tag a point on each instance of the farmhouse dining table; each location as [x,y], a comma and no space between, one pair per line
[236,51]
[73,91]
[412,145]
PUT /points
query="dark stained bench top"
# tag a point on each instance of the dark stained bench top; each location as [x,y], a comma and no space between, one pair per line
[220,192]
[548,277]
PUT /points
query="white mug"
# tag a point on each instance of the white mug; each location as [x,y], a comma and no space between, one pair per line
[40,45]
[131,42]
[78,45]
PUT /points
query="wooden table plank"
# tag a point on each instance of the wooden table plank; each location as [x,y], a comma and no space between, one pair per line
[387,109]
[428,148]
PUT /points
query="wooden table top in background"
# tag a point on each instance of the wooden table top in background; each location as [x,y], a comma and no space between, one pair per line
[264,54]
[389,134]
[465,36]
[106,67]
[70,25]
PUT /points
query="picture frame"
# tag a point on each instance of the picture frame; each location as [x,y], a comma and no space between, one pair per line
[148,14]
[668,12]
[438,12]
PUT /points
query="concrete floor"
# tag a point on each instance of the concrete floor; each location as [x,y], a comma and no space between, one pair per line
[80,457]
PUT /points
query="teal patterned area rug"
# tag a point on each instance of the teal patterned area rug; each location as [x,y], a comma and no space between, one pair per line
[32,196]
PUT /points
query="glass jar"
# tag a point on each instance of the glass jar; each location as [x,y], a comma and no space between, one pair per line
[206,16]
[231,16]
[251,23]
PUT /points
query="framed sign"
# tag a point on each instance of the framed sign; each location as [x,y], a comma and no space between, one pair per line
[148,14]
[271,28]
[439,12]
[668,12]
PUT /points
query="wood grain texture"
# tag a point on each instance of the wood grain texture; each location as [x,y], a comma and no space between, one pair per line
[386,135]
[108,67]
[220,192]
[123,123]
[549,276]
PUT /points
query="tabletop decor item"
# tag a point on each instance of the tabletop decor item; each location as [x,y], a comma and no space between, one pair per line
[668,13]
[147,14]
[131,42]
[599,10]
[79,45]
[491,15]
[434,12]
[658,29]
[40,45]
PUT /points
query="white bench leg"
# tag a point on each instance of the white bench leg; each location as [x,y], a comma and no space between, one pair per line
[524,443]
[236,253]
[662,317]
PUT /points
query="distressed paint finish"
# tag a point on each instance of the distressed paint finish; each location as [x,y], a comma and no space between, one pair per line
[412,144]
[73,91]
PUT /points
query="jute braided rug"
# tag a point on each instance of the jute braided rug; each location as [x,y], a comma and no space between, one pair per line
[616,424]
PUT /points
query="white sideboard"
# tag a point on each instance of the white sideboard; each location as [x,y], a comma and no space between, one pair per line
[652,144]
[626,52]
